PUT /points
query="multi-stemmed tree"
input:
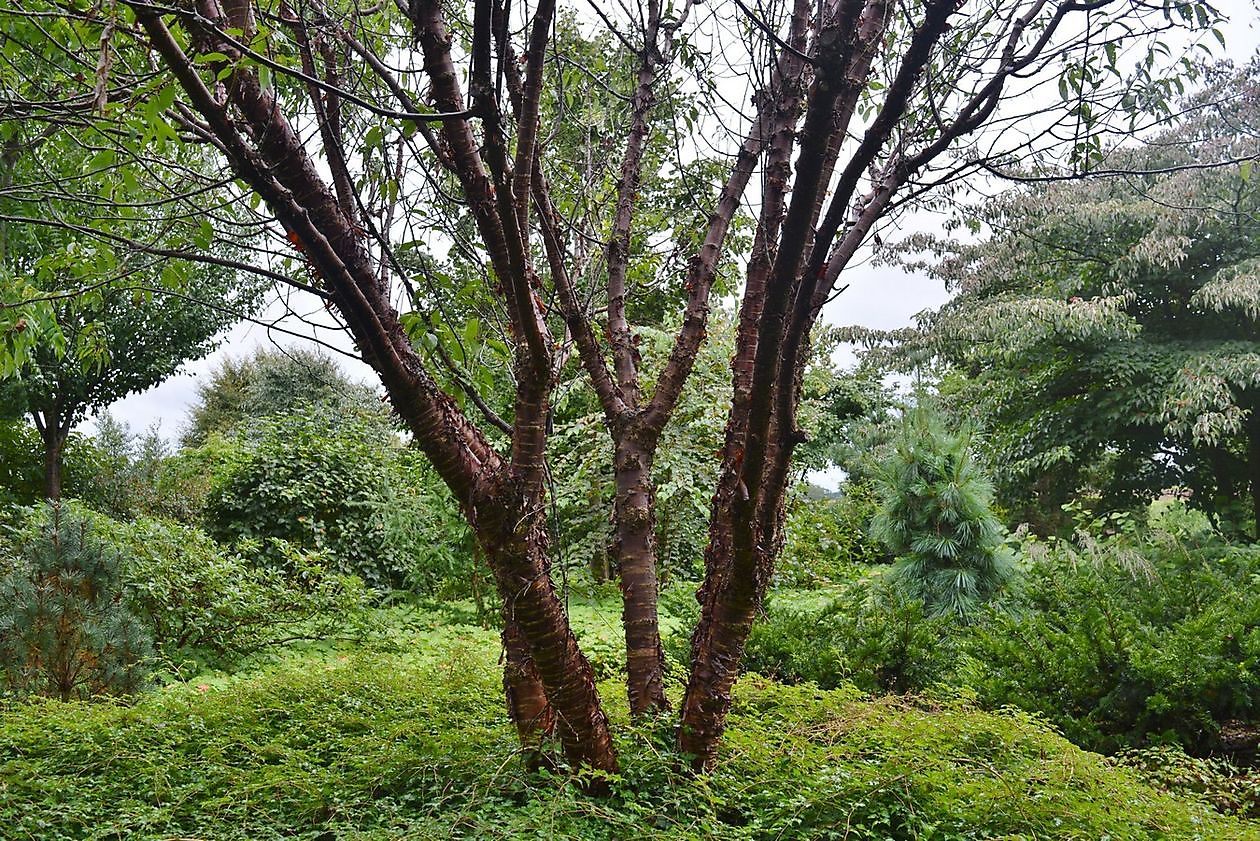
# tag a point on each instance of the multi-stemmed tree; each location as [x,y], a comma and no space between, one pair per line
[899,102]
[351,125]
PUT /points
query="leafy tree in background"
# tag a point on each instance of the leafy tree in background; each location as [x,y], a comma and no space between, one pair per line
[278,381]
[1108,332]
[140,343]
[118,318]
[22,469]
[935,517]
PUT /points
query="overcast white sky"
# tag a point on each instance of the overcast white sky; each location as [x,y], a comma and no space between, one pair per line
[878,297]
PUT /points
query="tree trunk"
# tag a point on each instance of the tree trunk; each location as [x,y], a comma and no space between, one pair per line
[775,320]
[636,558]
[732,594]
[54,448]
[1253,467]
[502,498]
[526,698]
[537,636]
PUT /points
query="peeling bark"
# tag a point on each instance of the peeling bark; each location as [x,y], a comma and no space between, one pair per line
[549,683]
[517,546]
[634,512]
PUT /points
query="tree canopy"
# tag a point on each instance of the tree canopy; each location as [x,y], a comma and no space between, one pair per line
[1107,332]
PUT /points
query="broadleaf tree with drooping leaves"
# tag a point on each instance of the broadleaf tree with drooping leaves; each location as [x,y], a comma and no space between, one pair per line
[1107,332]
[98,296]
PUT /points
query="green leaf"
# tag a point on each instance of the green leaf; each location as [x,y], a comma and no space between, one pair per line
[101,160]
[203,237]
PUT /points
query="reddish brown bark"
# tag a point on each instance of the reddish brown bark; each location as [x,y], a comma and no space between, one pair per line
[802,244]
[503,498]
[532,606]
[794,267]
[526,699]
[634,512]
[746,525]
[731,592]
[634,441]
[634,543]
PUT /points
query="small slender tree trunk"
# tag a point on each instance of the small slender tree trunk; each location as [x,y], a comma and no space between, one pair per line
[636,557]
[54,436]
[601,566]
[1253,466]
[603,559]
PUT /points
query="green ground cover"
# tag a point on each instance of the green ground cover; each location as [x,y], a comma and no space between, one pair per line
[406,738]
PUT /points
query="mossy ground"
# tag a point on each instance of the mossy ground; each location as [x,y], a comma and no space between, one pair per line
[413,743]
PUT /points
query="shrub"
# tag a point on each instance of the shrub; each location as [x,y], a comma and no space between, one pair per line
[350,492]
[795,643]
[138,475]
[935,516]
[202,599]
[1219,782]
[1134,639]
[201,602]
[828,541]
[66,630]
[870,634]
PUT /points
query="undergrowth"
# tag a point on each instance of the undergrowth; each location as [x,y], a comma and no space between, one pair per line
[394,745]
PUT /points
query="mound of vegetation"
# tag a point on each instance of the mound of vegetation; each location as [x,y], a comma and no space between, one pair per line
[379,747]
[1148,636]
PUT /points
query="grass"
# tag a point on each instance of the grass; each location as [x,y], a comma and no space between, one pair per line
[411,742]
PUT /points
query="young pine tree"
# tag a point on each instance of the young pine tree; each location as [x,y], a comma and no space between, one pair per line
[65,630]
[935,517]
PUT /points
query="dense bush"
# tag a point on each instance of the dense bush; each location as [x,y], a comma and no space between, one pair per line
[388,748]
[202,599]
[795,642]
[1148,636]
[1134,639]
[66,628]
[199,601]
[868,634]
[829,540]
[349,490]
